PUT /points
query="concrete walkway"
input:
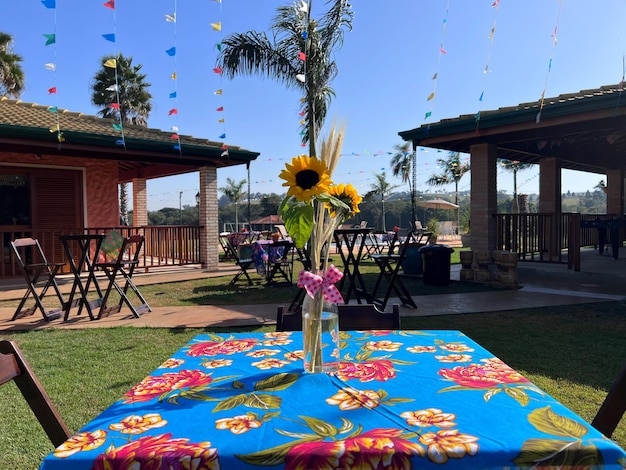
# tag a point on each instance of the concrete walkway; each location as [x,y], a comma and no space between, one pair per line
[541,285]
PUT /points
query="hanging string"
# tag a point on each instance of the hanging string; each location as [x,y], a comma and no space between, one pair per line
[305,9]
[491,37]
[112,63]
[442,52]
[554,44]
[51,40]
[173,18]
[217,26]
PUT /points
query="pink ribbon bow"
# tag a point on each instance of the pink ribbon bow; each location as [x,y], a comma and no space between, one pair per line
[312,283]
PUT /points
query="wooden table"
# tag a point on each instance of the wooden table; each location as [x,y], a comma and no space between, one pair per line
[354,240]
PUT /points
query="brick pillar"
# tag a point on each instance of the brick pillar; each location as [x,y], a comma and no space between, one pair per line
[209,256]
[140,202]
[483,197]
[550,203]
[615,192]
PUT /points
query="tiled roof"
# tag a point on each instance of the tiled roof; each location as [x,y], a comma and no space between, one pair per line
[38,123]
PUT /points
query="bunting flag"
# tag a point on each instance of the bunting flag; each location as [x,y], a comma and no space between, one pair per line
[115,87]
[217,26]
[491,37]
[442,52]
[51,39]
[172,18]
[554,44]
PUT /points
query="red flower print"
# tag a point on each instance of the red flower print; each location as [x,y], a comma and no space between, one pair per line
[490,374]
[154,386]
[159,453]
[216,348]
[381,370]
[375,449]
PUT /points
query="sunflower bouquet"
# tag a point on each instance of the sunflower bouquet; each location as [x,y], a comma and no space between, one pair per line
[312,210]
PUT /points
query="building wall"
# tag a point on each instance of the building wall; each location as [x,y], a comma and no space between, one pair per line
[99,184]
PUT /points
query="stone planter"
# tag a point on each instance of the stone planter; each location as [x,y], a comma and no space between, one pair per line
[466,240]
[506,275]
[467,258]
[482,260]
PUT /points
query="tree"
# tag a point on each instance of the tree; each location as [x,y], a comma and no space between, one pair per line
[514,166]
[300,54]
[11,73]
[452,172]
[403,165]
[383,188]
[234,192]
[123,84]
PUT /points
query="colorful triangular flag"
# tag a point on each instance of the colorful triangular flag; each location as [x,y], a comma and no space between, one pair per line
[109,37]
[50,38]
[52,90]
[110,4]
[111,63]
[171,51]
[217,26]
[49,3]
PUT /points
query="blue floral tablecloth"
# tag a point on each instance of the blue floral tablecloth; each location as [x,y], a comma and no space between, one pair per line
[402,399]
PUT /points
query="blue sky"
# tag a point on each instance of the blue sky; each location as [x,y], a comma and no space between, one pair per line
[386,70]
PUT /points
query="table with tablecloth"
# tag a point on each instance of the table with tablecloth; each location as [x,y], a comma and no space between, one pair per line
[401,399]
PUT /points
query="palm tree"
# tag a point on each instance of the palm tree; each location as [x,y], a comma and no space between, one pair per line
[383,188]
[452,172]
[126,85]
[11,73]
[234,192]
[299,54]
[514,166]
[403,165]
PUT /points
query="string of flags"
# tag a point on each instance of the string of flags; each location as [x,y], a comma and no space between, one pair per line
[302,55]
[171,52]
[115,88]
[217,27]
[442,52]
[554,44]
[491,37]
[52,41]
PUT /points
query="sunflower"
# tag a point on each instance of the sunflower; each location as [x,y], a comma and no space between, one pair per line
[347,194]
[306,177]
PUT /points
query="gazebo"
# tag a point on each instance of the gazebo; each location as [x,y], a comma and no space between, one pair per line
[583,131]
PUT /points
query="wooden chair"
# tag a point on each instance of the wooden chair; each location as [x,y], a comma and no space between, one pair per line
[123,266]
[613,407]
[36,269]
[13,366]
[243,263]
[351,317]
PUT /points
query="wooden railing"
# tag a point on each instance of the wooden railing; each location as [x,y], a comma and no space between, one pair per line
[165,245]
[555,238]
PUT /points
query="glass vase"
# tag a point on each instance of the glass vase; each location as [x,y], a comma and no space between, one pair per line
[320,335]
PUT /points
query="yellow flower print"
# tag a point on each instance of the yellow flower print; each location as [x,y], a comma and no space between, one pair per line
[172,363]
[448,444]
[277,334]
[421,349]
[306,177]
[456,347]
[277,342]
[429,417]
[217,363]
[136,424]
[384,345]
[238,424]
[81,441]
[270,364]
[263,352]
[353,399]
[454,358]
[294,355]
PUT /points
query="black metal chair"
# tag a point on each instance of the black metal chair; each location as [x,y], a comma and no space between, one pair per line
[13,366]
[36,269]
[280,263]
[389,265]
[244,263]
[124,265]
[351,317]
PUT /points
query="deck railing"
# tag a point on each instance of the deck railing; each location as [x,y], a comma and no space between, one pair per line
[165,245]
[555,238]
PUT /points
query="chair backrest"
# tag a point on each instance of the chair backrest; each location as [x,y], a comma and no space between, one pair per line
[418,225]
[13,366]
[282,230]
[279,251]
[36,255]
[351,317]
[614,406]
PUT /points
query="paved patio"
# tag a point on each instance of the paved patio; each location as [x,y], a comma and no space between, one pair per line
[541,285]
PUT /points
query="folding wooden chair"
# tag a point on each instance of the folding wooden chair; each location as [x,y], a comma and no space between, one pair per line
[280,263]
[13,366]
[34,265]
[351,317]
[124,265]
[389,265]
[613,407]
[226,247]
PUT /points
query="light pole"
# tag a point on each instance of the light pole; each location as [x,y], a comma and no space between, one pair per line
[198,205]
